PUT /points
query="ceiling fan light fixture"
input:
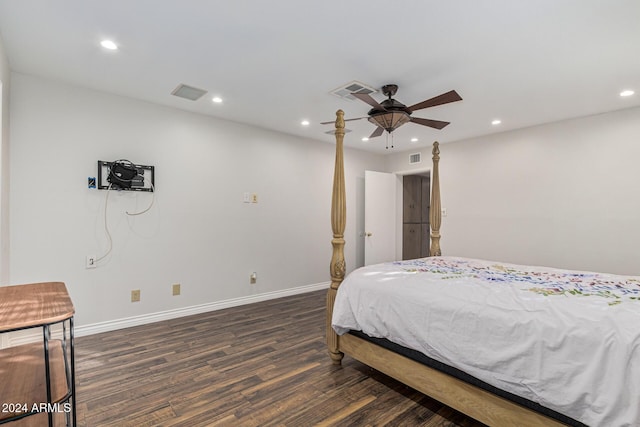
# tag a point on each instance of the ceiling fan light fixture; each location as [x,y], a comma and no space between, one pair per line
[390,120]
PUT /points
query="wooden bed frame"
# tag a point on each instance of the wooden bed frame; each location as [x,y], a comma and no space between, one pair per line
[473,401]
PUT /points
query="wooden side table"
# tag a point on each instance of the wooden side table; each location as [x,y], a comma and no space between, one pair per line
[37,380]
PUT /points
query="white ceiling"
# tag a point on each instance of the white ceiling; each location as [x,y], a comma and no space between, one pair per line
[275,62]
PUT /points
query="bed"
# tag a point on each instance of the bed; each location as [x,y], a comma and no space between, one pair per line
[571,357]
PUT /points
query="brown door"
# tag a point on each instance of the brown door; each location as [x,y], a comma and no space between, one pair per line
[415,216]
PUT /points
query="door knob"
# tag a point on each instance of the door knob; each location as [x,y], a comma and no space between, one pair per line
[368,234]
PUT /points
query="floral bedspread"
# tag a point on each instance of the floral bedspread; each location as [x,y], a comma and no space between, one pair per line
[569,340]
[544,281]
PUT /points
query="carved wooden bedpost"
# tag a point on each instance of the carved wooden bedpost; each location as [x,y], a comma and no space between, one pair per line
[435,209]
[338,220]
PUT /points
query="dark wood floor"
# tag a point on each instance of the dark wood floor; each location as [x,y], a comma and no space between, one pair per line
[263,364]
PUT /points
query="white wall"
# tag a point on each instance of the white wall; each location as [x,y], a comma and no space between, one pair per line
[5,80]
[565,194]
[199,232]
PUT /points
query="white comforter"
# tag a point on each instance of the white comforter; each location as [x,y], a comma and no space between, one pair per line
[568,340]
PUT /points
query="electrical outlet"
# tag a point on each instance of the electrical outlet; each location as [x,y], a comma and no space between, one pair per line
[254,198]
[135,295]
[91,261]
[253,278]
[176,289]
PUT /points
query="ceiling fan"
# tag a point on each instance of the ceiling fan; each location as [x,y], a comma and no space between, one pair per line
[390,114]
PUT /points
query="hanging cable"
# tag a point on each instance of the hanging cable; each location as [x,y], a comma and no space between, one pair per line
[106,205]
[106,226]
[153,199]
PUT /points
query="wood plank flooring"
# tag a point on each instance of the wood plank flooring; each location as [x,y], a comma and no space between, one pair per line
[263,364]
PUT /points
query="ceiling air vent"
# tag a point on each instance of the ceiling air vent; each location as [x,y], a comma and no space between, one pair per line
[345,91]
[188,92]
[414,158]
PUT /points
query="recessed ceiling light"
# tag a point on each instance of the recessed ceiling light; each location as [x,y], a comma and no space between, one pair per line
[496,122]
[414,139]
[305,123]
[627,92]
[217,99]
[365,139]
[108,44]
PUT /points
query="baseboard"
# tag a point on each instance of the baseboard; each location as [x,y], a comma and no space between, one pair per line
[28,336]
[128,322]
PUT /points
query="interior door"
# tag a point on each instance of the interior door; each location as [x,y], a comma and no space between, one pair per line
[379,217]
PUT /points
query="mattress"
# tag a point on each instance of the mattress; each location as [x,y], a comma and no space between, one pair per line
[567,340]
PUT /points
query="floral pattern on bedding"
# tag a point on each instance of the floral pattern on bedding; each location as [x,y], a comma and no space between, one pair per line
[543,281]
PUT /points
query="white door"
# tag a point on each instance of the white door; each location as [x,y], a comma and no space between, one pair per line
[379,217]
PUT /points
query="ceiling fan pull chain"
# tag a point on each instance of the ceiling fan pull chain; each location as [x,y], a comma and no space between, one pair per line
[388,133]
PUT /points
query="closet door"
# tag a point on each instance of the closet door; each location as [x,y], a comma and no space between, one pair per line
[425,183]
[425,240]
[426,229]
[411,241]
[412,199]
[415,216]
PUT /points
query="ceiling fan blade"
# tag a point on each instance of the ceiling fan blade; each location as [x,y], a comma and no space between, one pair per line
[346,120]
[445,98]
[376,132]
[437,124]
[369,100]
